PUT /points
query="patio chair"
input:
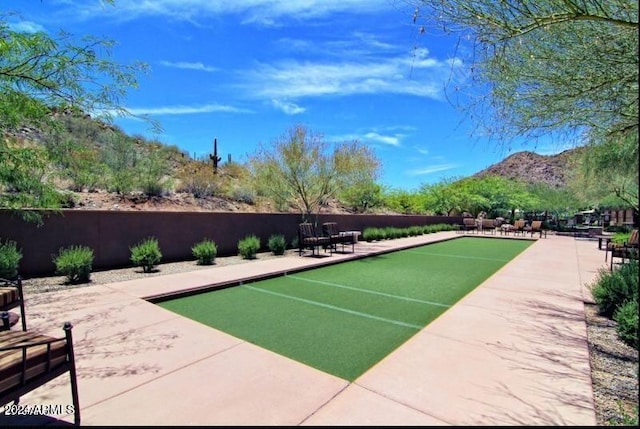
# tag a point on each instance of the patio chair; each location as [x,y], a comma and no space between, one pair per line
[627,250]
[308,239]
[469,224]
[11,296]
[28,360]
[519,226]
[488,225]
[330,229]
[536,226]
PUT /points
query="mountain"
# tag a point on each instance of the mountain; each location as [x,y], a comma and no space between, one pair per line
[530,167]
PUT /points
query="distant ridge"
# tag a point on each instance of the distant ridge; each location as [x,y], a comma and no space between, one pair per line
[530,167]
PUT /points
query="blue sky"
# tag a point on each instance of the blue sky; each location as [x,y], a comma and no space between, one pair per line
[246,71]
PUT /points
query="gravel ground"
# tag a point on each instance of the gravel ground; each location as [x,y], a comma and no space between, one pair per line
[614,365]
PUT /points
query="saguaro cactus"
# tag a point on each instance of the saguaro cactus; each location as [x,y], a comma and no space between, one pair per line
[214,157]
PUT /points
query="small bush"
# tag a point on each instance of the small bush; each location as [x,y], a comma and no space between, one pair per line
[277,244]
[626,316]
[249,246]
[146,254]
[205,251]
[75,263]
[10,257]
[614,288]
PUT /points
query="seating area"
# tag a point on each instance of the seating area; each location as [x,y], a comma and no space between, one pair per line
[330,238]
[308,239]
[488,226]
[330,229]
[469,224]
[624,251]
[535,227]
[11,296]
[29,359]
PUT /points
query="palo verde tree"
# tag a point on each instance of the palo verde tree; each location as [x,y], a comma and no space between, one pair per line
[562,68]
[302,170]
[39,75]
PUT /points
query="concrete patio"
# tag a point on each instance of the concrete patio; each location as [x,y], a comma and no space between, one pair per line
[512,352]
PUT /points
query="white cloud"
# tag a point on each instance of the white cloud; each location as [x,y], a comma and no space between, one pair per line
[287,107]
[421,150]
[189,66]
[389,140]
[431,169]
[265,12]
[186,110]
[296,79]
[371,137]
[26,27]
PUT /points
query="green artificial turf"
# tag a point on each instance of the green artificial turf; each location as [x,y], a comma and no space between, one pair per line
[344,318]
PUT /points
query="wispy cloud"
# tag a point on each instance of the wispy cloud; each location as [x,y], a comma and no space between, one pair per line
[370,137]
[287,107]
[264,12]
[26,27]
[296,79]
[189,66]
[379,138]
[186,110]
[431,169]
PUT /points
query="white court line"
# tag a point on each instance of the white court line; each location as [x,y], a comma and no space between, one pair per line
[332,307]
[457,256]
[404,298]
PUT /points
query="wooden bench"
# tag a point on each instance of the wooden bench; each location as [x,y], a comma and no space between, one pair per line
[11,296]
[28,360]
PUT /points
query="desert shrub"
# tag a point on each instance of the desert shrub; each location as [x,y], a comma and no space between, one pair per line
[74,262]
[372,234]
[294,243]
[152,169]
[198,179]
[249,246]
[614,288]
[415,231]
[243,194]
[626,316]
[277,244]
[10,257]
[146,254]
[205,251]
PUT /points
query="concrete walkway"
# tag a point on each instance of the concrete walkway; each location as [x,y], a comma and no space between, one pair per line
[512,352]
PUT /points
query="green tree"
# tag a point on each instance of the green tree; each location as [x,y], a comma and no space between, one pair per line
[559,202]
[40,74]
[152,169]
[441,198]
[120,156]
[302,170]
[24,181]
[547,64]
[563,67]
[404,201]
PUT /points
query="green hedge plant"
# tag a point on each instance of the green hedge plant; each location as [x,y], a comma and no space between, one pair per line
[613,288]
[249,246]
[10,257]
[277,244]
[626,317]
[74,262]
[205,251]
[146,254]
